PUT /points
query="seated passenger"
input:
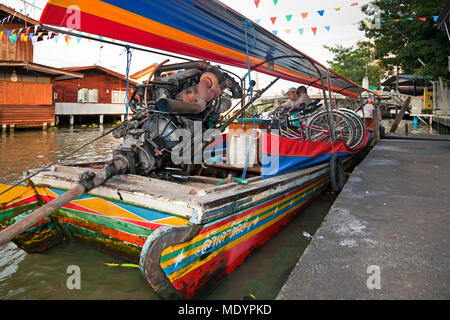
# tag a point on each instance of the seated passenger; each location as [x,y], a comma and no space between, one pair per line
[303,94]
[293,99]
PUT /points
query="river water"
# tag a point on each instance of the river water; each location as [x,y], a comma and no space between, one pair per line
[44,275]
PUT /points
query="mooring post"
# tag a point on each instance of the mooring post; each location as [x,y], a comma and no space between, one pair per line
[376,125]
[72,120]
[406,129]
[101,119]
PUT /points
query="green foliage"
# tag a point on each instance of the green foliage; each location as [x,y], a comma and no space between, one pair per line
[401,43]
[355,62]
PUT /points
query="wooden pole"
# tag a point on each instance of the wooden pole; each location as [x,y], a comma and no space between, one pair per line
[443,97]
[400,115]
[90,181]
[376,125]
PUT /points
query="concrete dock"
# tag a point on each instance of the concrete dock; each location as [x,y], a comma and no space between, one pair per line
[387,234]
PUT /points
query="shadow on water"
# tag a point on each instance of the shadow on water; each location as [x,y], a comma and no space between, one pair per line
[44,276]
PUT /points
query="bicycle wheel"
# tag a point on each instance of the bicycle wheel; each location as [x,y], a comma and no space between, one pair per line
[360,129]
[317,128]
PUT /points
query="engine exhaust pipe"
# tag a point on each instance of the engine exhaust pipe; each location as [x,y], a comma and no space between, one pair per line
[177,106]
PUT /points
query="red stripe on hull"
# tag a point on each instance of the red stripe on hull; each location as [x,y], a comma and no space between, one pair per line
[209,273]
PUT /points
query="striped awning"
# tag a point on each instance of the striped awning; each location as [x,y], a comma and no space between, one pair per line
[204,29]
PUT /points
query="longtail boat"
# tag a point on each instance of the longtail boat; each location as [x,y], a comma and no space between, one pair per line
[186,231]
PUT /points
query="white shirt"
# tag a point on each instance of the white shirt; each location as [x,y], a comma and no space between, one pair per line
[304,98]
[368,111]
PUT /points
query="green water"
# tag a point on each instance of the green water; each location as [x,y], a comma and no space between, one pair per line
[44,275]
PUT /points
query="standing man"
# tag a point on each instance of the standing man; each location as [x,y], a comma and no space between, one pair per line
[367,113]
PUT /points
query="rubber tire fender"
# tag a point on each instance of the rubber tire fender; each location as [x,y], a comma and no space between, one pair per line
[337,177]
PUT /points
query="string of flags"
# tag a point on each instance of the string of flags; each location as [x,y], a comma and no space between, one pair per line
[35,34]
[314,29]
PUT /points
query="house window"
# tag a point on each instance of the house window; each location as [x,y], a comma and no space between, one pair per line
[83,95]
[118,96]
[93,96]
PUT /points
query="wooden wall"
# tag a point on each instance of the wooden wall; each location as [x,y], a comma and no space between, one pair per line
[67,90]
[21,51]
[24,115]
[26,103]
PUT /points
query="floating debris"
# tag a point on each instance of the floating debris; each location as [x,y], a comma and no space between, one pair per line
[307,235]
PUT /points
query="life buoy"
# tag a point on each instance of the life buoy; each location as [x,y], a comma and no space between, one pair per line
[337,177]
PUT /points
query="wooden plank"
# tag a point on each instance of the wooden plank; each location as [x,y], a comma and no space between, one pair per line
[400,115]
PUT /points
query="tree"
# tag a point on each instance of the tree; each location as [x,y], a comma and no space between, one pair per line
[400,38]
[355,62]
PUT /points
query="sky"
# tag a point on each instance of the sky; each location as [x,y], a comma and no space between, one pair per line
[342,31]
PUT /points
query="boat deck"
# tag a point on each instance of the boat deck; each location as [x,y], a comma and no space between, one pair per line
[392,213]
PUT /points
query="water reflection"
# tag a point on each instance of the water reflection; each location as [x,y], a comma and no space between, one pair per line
[22,150]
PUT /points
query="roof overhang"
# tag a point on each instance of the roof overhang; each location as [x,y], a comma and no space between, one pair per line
[59,74]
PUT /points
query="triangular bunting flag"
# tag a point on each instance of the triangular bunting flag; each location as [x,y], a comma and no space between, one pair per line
[328,28]
[257,3]
[20,30]
[78,39]
[49,35]
[275,2]
[34,39]
[304,15]
[27,30]
[354,4]
[67,39]
[1,36]
[273,19]
[30,36]
[337,9]
[321,12]
[275,32]
[258,21]
[56,38]
[435,18]
[301,31]
[423,19]
[22,37]
[289,17]
[35,29]
[314,30]
[288,31]
[25,38]
[409,19]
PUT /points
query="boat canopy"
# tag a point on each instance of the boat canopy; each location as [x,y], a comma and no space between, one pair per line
[204,29]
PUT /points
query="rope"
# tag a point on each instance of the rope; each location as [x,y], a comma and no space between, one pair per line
[129,56]
[247,23]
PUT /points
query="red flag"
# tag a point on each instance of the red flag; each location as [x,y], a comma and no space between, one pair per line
[314,30]
[354,4]
[273,19]
[423,19]
[257,3]
[304,15]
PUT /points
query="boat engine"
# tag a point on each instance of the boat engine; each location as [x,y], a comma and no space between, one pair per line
[181,100]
